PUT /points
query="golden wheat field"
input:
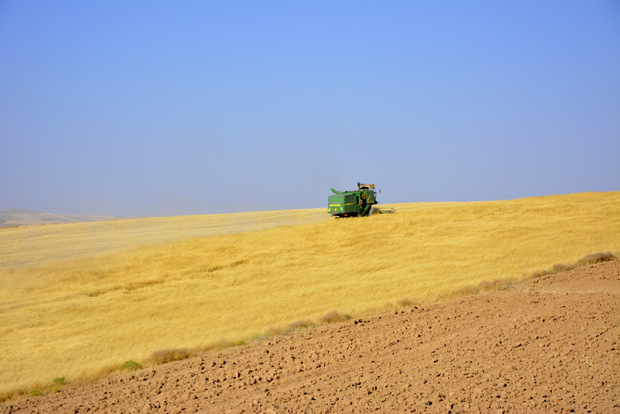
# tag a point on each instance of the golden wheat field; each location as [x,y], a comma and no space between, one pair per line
[78,300]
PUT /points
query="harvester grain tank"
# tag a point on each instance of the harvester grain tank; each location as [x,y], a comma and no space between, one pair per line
[360,202]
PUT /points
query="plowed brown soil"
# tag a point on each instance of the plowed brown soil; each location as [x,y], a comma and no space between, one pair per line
[549,344]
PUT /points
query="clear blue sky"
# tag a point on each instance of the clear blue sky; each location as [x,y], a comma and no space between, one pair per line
[151,108]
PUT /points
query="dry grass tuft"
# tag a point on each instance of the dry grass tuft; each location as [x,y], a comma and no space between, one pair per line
[406,302]
[218,345]
[590,259]
[301,324]
[541,273]
[334,317]
[597,258]
[562,267]
[467,291]
[495,284]
[170,355]
[484,286]
[276,331]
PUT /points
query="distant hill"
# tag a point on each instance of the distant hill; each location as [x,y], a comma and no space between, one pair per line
[24,216]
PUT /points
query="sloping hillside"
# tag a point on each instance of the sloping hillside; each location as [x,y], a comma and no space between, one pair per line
[545,345]
[80,299]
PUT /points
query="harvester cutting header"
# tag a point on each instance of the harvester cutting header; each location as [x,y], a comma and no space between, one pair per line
[360,202]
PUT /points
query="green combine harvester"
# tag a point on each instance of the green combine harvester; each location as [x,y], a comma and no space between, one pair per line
[360,202]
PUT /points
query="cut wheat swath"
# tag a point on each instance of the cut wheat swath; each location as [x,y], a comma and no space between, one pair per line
[91,312]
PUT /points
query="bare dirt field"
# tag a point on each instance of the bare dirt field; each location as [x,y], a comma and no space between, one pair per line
[549,344]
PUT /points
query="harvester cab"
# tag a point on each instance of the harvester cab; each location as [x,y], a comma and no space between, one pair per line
[360,202]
